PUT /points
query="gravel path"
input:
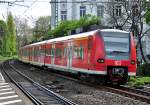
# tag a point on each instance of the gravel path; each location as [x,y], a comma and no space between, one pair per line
[78,93]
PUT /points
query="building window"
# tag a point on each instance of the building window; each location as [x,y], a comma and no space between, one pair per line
[135,10]
[82,11]
[63,15]
[100,10]
[63,6]
[118,11]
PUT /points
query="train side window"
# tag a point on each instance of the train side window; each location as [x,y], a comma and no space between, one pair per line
[35,52]
[32,52]
[78,52]
[47,51]
[65,52]
[58,52]
[52,52]
[81,52]
[42,52]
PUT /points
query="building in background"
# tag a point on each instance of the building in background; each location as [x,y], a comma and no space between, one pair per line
[107,10]
[74,9]
[146,43]
[112,14]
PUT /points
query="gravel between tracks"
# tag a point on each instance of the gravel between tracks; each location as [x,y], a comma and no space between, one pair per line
[80,94]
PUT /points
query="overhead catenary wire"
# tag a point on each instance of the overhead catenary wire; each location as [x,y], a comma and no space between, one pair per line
[12,3]
[30,6]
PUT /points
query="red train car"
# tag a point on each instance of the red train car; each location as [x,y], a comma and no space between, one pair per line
[107,54]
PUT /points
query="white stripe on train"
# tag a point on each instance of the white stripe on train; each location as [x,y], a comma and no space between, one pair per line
[75,70]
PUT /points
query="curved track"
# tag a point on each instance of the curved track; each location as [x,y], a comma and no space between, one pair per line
[124,91]
[37,93]
[121,90]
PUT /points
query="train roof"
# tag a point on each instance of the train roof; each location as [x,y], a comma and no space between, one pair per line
[113,30]
[80,35]
[85,34]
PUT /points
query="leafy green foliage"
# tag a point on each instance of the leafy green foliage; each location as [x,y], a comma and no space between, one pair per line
[146,6]
[2,58]
[147,15]
[4,34]
[24,32]
[139,81]
[8,37]
[12,34]
[41,28]
[65,26]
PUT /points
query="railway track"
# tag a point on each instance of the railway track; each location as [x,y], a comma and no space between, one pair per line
[131,93]
[136,94]
[37,93]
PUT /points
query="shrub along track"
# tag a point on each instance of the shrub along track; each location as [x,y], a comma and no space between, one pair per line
[79,91]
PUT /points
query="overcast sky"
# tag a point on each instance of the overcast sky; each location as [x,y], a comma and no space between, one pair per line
[33,9]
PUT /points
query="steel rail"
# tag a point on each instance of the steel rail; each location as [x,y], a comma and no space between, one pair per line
[61,99]
[33,99]
[136,94]
[142,92]
[128,92]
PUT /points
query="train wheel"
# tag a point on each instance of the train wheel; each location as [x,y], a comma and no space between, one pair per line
[83,77]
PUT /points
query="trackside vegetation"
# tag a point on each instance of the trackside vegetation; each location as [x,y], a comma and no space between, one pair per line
[66,26]
[7,37]
[139,81]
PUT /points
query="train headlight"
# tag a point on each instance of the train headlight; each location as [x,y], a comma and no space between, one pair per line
[100,60]
[132,62]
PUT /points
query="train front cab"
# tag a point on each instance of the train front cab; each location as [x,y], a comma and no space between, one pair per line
[120,58]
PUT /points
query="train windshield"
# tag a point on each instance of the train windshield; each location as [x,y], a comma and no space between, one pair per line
[116,45]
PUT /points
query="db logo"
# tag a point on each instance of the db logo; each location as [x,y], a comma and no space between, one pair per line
[118,63]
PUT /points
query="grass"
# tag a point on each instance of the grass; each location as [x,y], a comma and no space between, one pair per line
[138,81]
[2,58]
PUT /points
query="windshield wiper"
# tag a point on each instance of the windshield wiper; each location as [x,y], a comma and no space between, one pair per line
[117,52]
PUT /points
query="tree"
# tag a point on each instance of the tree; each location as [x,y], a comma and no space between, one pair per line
[4,40]
[12,33]
[65,26]
[24,32]
[133,12]
[41,28]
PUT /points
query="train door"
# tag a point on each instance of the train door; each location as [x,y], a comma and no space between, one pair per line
[30,53]
[70,49]
[52,53]
[38,53]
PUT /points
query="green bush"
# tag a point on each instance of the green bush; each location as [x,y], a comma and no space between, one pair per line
[65,26]
[139,81]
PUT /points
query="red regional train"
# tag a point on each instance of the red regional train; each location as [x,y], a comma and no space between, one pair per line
[107,54]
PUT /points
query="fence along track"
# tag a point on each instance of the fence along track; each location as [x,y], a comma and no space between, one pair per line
[37,93]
